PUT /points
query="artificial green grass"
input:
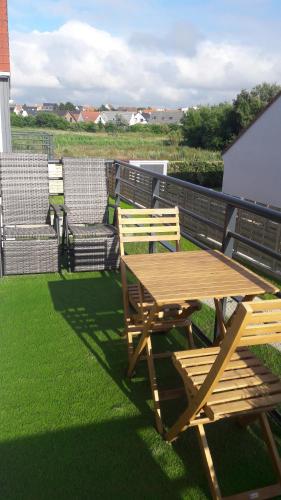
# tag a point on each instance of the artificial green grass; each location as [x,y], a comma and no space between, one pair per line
[73,427]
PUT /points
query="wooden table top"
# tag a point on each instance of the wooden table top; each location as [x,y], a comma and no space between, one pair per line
[179,276]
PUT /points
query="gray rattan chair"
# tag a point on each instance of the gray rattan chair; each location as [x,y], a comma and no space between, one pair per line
[29,244]
[92,244]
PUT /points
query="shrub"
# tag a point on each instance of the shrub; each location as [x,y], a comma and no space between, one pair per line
[204,173]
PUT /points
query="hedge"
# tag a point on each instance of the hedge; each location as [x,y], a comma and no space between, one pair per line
[204,173]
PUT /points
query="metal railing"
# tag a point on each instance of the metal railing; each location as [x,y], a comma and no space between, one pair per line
[141,188]
[208,218]
[33,142]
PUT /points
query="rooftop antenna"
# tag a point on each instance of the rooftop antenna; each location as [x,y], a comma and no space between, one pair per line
[5,125]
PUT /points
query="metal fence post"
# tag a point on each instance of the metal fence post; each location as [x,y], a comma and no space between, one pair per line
[227,248]
[154,204]
[229,226]
[117,190]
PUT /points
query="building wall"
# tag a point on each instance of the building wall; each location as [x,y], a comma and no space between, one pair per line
[252,166]
[5,126]
[4,39]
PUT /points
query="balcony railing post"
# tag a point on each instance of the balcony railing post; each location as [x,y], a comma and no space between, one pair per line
[117,190]
[154,204]
[229,227]
[227,247]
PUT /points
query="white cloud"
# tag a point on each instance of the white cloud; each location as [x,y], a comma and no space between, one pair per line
[85,64]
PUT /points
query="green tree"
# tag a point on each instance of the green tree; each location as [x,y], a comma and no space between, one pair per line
[248,104]
[68,106]
[266,92]
[208,127]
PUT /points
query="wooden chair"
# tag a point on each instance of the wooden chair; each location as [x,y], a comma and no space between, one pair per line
[152,225]
[229,381]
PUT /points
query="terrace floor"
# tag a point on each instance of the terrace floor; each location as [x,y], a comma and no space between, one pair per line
[72,427]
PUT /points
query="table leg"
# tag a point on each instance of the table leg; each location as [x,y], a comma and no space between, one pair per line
[154,386]
[142,342]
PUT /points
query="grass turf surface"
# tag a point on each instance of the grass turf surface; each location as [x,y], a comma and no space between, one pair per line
[72,427]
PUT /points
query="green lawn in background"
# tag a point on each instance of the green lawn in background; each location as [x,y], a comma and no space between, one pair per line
[126,146]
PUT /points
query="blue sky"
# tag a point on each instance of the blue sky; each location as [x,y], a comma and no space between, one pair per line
[182,36]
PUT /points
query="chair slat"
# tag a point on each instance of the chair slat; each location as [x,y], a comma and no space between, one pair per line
[269,338]
[251,405]
[149,211]
[238,374]
[148,220]
[146,229]
[205,360]
[166,237]
[245,393]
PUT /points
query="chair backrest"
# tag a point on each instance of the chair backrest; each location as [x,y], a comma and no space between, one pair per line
[85,190]
[25,188]
[253,323]
[148,225]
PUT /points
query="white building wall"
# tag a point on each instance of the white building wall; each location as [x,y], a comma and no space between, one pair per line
[252,166]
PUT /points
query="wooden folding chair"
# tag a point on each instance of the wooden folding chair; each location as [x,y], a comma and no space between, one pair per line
[150,225]
[229,381]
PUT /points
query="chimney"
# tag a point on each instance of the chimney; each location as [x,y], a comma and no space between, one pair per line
[5,127]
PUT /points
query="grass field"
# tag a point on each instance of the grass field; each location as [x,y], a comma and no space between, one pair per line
[123,146]
[73,427]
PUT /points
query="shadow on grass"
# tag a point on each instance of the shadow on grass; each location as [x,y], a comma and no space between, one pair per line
[103,461]
[93,309]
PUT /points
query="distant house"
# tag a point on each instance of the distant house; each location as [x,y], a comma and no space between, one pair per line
[16,108]
[126,117]
[72,116]
[252,167]
[49,106]
[166,117]
[115,116]
[60,112]
[90,116]
[29,111]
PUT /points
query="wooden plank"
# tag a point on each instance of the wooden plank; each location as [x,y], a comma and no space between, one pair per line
[265,317]
[245,405]
[273,452]
[245,393]
[234,374]
[199,370]
[239,383]
[269,338]
[205,360]
[196,352]
[147,229]
[150,211]
[263,305]
[149,220]
[208,463]
[262,329]
[131,239]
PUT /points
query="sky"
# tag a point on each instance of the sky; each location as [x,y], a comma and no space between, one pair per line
[165,53]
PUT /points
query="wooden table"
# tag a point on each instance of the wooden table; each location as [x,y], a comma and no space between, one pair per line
[184,276]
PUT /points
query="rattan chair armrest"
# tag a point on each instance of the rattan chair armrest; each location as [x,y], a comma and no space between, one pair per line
[64,208]
[56,208]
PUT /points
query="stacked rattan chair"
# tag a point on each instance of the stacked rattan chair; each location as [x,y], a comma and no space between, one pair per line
[91,243]
[29,244]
